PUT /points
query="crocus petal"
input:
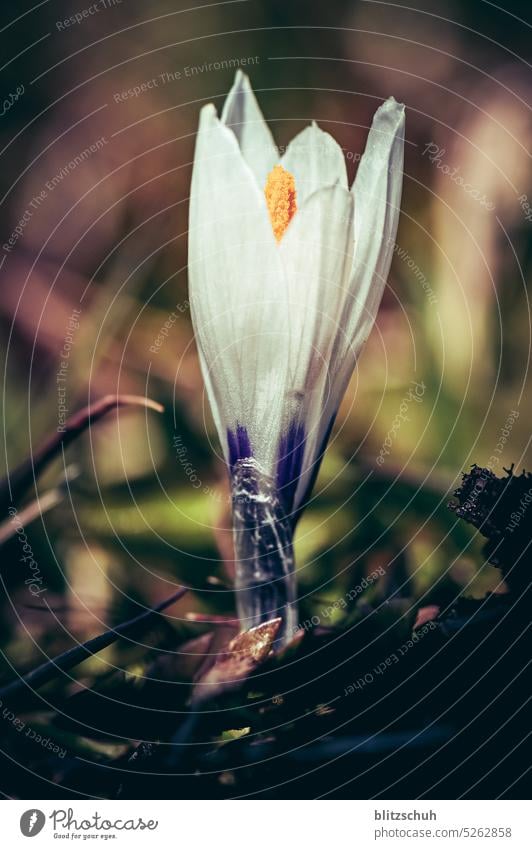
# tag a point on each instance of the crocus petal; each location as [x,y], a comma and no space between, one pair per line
[377,192]
[316,253]
[377,196]
[237,293]
[316,160]
[242,114]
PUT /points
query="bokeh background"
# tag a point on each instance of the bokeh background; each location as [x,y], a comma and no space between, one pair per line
[97,137]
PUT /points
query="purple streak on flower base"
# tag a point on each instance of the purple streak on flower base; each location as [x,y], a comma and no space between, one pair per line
[289,463]
[239,445]
[315,469]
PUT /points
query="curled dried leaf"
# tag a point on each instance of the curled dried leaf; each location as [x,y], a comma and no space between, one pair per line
[243,655]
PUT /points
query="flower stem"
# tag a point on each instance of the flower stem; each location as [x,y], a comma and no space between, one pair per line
[265,580]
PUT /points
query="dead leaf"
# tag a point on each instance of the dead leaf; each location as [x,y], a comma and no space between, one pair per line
[243,655]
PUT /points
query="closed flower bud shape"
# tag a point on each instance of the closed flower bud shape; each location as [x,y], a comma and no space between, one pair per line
[287,267]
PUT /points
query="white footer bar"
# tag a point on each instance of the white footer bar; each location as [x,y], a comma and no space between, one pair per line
[245,824]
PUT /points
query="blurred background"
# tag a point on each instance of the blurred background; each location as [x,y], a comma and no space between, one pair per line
[99,115]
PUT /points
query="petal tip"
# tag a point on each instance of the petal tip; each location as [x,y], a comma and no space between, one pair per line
[392,105]
[208,117]
[241,82]
[208,111]
[240,77]
[390,118]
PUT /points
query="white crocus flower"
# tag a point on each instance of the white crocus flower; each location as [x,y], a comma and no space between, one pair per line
[287,267]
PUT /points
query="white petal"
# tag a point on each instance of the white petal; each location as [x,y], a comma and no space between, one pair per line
[242,114]
[316,160]
[237,293]
[377,192]
[317,255]
[377,197]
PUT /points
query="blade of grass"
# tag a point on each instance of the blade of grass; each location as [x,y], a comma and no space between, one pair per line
[52,668]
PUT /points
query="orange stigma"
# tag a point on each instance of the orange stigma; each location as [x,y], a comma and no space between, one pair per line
[280,191]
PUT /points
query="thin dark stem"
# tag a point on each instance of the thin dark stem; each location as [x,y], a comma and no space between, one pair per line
[13,487]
